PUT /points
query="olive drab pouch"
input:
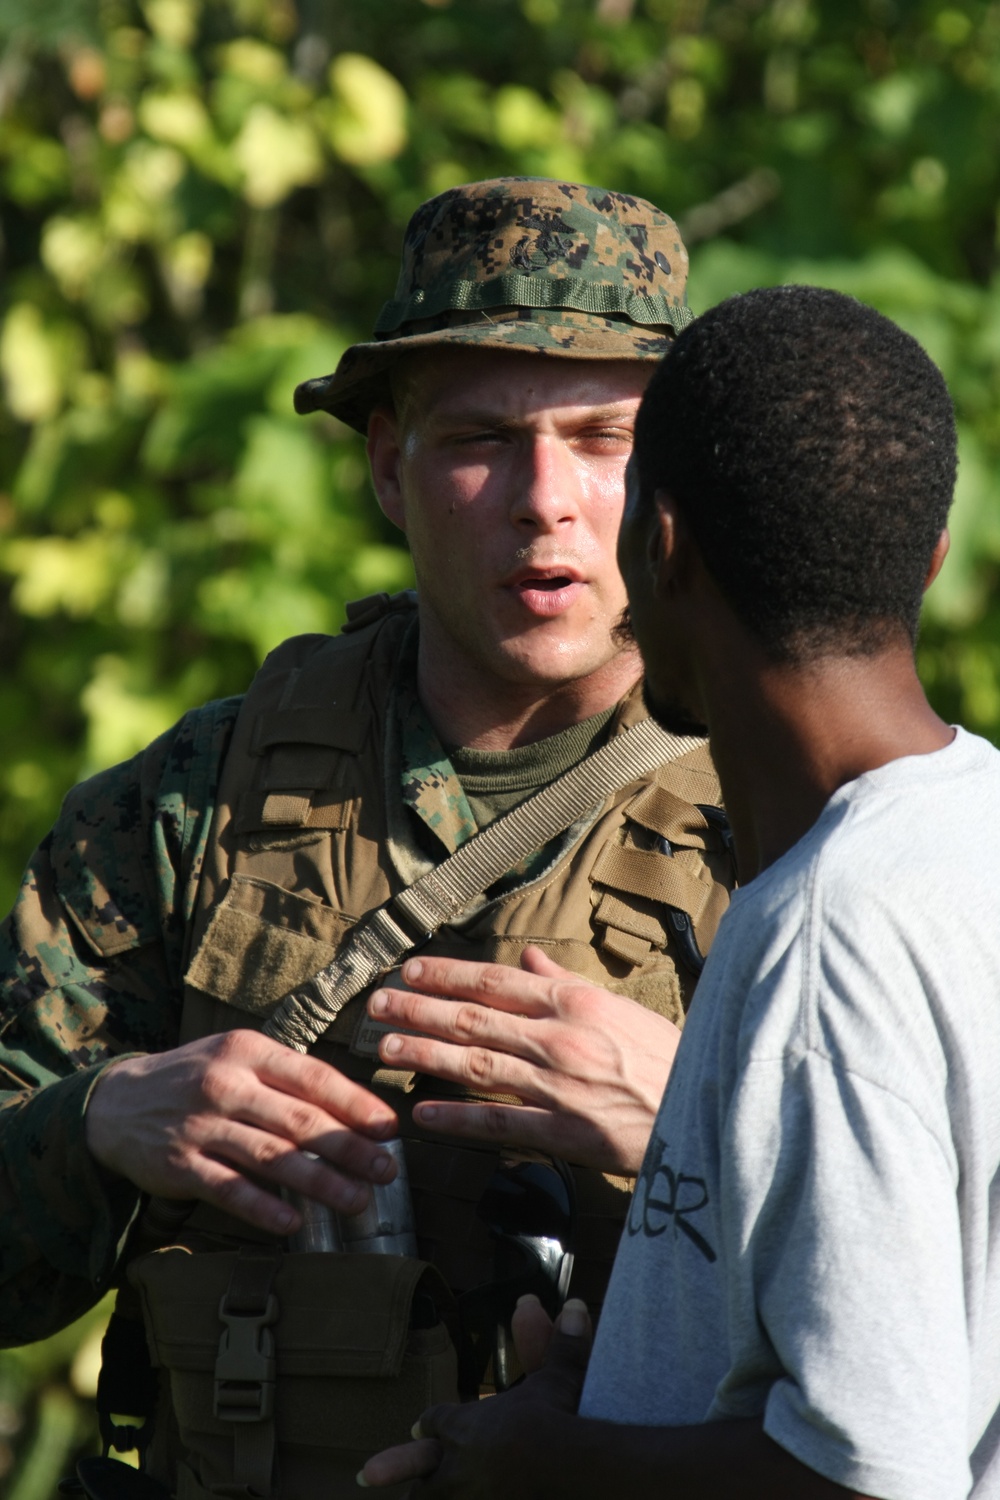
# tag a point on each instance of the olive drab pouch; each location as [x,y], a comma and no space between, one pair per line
[287,1371]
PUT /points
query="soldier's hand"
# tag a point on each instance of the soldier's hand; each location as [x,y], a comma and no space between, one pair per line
[204,1120]
[589,1067]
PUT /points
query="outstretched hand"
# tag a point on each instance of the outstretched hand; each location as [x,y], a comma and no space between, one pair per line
[506,1445]
[589,1066]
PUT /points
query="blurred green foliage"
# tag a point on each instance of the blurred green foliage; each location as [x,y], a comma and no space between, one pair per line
[201,203]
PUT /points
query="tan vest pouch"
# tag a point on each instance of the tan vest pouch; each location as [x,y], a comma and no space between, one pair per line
[327,1358]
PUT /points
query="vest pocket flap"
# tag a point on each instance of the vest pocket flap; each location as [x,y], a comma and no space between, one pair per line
[329,724]
[655,877]
[261,942]
[671,817]
[346,1316]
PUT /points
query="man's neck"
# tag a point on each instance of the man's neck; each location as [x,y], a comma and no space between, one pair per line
[471,707]
[785,739]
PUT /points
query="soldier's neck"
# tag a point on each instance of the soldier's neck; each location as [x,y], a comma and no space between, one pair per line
[471,707]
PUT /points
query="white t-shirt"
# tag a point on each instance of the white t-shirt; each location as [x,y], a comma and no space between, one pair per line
[815,1234]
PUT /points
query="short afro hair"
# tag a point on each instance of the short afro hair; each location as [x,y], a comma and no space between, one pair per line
[810,445]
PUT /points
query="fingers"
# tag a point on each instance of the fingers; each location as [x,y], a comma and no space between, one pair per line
[478,1069]
[494,985]
[277,1160]
[506,1124]
[561,1378]
[309,1079]
[532,1330]
[401,1465]
[278,1124]
[535,960]
[260,1105]
[225,1188]
[205,1119]
[574,1327]
[465,1023]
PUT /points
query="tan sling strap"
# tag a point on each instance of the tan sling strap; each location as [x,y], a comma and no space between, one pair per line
[383,938]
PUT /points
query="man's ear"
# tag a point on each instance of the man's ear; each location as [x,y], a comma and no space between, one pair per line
[667,541]
[937,558]
[385,460]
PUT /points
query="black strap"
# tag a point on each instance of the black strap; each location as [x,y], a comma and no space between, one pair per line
[127,1386]
[107,1479]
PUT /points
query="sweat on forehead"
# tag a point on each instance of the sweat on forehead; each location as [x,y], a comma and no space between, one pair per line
[497,384]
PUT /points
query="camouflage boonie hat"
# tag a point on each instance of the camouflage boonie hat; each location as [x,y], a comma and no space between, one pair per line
[520,263]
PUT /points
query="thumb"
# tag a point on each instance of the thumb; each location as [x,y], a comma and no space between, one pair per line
[560,1380]
[537,961]
[532,1330]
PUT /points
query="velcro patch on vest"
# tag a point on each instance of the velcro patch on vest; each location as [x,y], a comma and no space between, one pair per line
[261,943]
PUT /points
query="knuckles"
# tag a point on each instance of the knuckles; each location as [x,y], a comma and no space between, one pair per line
[234,1046]
[497,1122]
[491,980]
[267,1151]
[216,1084]
[480,1067]
[470,1021]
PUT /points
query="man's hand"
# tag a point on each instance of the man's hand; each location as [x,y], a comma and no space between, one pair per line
[203,1119]
[589,1066]
[529,1442]
[488,1450]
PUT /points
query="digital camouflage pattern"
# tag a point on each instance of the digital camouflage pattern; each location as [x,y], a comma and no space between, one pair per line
[557,268]
[92,958]
[429,785]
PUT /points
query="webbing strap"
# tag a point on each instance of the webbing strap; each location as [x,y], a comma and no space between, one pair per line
[513,289]
[245,1369]
[383,938]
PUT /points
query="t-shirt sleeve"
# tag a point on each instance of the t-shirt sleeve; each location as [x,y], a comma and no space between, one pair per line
[90,971]
[846,1299]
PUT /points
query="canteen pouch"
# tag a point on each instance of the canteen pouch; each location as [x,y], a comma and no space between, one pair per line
[286,1371]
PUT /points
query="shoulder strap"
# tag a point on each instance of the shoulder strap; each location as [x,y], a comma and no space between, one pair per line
[386,935]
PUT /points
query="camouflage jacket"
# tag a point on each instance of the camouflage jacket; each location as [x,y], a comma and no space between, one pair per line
[134,838]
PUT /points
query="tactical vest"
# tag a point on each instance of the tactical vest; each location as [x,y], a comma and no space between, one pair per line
[307,839]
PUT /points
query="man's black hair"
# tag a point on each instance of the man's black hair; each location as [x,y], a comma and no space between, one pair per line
[810,445]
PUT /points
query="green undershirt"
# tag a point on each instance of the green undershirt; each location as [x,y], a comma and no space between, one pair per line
[495,781]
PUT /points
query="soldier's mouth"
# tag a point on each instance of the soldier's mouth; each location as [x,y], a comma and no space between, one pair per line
[559,581]
[546,594]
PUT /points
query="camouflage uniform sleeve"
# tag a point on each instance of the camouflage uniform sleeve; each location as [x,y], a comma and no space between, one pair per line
[91,959]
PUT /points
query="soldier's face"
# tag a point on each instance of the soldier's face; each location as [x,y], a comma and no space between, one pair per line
[506,471]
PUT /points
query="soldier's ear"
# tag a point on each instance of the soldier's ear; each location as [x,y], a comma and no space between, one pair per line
[384,458]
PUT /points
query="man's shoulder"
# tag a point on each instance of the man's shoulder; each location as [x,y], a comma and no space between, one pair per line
[374,626]
[910,821]
[886,913]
